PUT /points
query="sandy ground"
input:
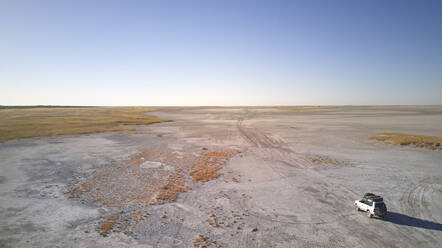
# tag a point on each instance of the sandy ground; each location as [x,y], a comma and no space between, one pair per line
[270,196]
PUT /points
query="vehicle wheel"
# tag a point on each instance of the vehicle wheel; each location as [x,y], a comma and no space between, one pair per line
[369,214]
[357,208]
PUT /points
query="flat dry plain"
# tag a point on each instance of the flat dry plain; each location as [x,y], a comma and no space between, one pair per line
[227,177]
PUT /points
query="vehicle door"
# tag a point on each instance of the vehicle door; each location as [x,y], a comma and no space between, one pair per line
[363,204]
[370,206]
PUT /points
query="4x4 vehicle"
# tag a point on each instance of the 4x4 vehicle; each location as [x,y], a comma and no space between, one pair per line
[372,204]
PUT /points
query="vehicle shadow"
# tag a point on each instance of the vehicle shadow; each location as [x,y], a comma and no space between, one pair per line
[405,220]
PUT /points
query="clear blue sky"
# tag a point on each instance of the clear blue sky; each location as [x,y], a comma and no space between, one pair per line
[220,52]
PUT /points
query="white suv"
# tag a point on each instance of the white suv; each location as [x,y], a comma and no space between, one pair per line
[373,204]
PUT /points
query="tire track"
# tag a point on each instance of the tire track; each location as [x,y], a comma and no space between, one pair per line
[271,151]
[259,139]
[419,200]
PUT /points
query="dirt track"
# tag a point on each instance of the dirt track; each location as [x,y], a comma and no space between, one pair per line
[274,186]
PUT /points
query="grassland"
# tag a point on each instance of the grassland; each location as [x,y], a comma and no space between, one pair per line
[17,123]
[429,142]
[304,107]
[279,107]
[40,122]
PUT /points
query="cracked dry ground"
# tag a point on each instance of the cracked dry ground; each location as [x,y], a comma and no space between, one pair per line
[227,178]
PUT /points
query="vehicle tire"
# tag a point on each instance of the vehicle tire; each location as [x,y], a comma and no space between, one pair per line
[369,214]
[357,208]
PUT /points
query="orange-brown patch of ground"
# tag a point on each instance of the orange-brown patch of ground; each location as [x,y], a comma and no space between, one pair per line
[209,165]
[121,222]
[169,191]
[105,226]
[201,241]
[132,183]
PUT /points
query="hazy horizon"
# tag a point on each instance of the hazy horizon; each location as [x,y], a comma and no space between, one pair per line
[227,106]
[220,53]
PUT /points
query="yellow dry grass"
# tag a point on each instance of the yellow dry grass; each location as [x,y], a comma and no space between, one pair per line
[277,107]
[429,142]
[318,159]
[41,122]
[304,107]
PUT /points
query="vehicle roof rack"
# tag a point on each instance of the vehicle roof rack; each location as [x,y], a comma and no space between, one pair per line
[373,197]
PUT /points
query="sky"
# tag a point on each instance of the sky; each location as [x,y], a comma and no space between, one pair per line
[241,52]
